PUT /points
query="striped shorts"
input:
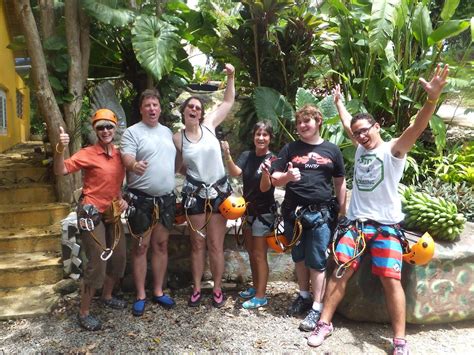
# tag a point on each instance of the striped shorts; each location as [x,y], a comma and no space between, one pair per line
[385,250]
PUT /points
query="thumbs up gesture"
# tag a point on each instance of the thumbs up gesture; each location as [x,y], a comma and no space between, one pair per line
[293,173]
[63,137]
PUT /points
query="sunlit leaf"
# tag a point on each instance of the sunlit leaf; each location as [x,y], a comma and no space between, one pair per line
[421,24]
[273,106]
[448,29]
[382,23]
[106,11]
[439,130]
[449,8]
[304,97]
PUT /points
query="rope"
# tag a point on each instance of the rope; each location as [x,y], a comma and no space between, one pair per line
[359,249]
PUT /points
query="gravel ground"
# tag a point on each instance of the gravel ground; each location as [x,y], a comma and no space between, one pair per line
[227,330]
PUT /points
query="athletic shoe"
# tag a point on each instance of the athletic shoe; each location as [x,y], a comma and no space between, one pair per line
[400,347]
[114,303]
[300,306]
[138,307]
[309,323]
[321,332]
[255,303]
[218,299]
[248,293]
[195,299]
[164,300]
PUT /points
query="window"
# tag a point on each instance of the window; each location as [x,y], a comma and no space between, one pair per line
[3,112]
[19,104]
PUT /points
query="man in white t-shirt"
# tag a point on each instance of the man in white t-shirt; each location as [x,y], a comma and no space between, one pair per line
[149,154]
[375,207]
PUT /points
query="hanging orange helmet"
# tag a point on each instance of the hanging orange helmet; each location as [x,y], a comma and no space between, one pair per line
[104,114]
[233,207]
[420,253]
[276,239]
[179,216]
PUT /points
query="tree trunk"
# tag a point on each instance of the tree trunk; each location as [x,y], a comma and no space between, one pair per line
[47,18]
[42,88]
[78,45]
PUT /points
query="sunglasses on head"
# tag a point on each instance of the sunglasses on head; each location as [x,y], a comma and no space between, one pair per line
[108,127]
[194,107]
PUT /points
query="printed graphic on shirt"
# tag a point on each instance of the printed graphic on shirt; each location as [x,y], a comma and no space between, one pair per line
[369,172]
[311,161]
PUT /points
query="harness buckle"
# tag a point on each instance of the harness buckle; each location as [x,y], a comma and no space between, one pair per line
[190,202]
[299,210]
[106,254]
[86,224]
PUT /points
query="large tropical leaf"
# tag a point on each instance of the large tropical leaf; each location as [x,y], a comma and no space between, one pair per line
[382,23]
[304,97]
[421,24]
[439,130]
[449,8]
[107,11]
[273,106]
[447,30]
[155,43]
[327,107]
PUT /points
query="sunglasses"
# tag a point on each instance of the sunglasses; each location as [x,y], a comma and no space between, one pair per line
[108,127]
[194,107]
[362,131]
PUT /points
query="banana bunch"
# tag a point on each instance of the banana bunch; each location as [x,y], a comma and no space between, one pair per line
[435,215]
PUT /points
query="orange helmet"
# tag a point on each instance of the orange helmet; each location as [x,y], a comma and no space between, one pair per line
[233,207]
[420,253]
[104,114]
[179,216]
[276,240]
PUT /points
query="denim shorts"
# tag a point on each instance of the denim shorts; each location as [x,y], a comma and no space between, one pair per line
[258,227]
[314,242]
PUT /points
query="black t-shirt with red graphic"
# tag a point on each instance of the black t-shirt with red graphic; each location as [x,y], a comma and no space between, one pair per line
[318,164]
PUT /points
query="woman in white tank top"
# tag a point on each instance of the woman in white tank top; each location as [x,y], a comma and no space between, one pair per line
[200,159]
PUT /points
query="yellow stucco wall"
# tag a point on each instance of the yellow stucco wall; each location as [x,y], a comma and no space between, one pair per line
[18,128]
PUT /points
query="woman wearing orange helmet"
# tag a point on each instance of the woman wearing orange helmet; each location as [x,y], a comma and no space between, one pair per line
[205,187]
[98,213]
[258,192]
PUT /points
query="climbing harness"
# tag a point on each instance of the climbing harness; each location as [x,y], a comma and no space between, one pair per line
[140,221]
[89,217]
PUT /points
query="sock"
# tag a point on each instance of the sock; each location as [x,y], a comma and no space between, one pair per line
[305,294]
[318,306]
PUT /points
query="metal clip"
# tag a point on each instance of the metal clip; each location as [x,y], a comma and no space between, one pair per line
[341,270]
[201,234]
[190,202]
[86,224]
[106,254]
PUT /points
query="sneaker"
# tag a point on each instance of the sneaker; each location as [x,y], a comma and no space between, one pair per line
[300,306]
[255,303]
[400,346]
[218,299]
[138,307]
[114,303]
[309,323]
[89,322]
[164,300]
[321,332]
[195,299]
[248,293]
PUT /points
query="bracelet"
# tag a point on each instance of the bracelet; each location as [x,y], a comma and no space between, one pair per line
[434,102]
[228,159]
[59,151]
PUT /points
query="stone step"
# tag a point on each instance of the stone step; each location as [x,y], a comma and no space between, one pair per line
[27,301]
[28,240]
[30,269]
[32,215]
[23,173]
[27,193]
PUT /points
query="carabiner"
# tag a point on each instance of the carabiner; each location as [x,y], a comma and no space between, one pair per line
[106,254]
[341,270]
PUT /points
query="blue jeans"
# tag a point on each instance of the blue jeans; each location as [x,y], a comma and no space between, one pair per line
[314,242]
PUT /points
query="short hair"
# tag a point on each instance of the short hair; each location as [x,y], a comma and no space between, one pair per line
[363,116]
[265,125]
[148,93]
[185,103]
[309,111]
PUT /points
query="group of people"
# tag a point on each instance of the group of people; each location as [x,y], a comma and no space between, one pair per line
[311,169]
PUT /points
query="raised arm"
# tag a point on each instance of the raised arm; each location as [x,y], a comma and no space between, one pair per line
[433,88]
[234,170]
[266,178]
[59,167]
[344,115]
[216,117]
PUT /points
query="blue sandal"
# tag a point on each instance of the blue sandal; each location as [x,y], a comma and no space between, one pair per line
[248,293]
[255,303]
[164,300]
[138,308]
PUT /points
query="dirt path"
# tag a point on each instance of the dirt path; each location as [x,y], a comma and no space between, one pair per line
[228,330]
